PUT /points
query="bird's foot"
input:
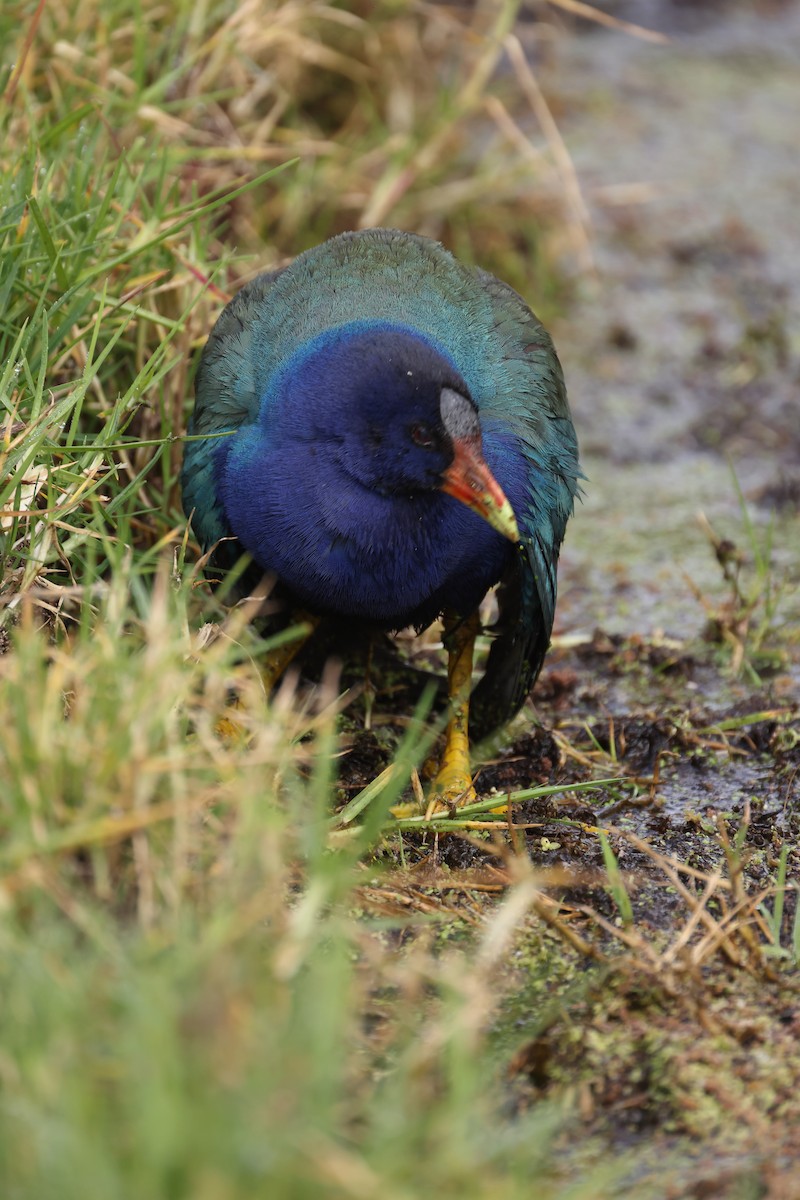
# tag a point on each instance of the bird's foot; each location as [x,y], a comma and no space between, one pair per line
[451,790]
[447,794]
[287,645]
[453,787]
[229,730]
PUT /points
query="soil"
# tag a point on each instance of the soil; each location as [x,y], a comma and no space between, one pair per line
[676,656]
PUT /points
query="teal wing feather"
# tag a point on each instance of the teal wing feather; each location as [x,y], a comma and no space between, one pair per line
[227,397]
[533,403]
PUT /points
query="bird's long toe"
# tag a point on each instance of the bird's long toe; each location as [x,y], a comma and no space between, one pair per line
[452,788]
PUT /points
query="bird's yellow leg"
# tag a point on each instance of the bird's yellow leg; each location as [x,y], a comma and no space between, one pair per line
[277,660]
[270,669]
[453,783]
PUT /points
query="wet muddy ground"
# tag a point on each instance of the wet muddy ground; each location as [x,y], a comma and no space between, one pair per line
[682,356]
[676,657]
[683,360]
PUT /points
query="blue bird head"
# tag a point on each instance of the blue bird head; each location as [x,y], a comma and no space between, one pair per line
[388,409]
[373,395]
[343,483]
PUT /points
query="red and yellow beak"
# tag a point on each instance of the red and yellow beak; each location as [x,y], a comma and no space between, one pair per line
[469,480]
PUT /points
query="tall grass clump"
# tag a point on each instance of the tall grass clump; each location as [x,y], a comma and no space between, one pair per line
[190,1005]
[140,146]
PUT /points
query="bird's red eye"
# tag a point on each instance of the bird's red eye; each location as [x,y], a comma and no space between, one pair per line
[422,435]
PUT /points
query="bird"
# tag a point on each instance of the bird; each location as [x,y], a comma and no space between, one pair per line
[385,430]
